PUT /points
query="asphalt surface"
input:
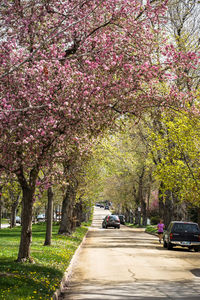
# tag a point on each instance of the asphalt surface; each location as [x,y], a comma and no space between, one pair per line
[127,263]
[7,225]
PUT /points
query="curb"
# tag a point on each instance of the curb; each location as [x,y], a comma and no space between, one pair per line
[68,272]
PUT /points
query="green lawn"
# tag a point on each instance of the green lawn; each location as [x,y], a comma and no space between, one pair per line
[5,221]
[39,280]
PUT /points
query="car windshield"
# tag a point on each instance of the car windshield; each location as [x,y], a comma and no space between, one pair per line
[115,217]
[184,227]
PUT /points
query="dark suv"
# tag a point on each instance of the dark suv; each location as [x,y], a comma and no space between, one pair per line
[184,234]
[111,221]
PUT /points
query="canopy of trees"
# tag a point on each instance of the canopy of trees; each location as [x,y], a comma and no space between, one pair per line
[68,69]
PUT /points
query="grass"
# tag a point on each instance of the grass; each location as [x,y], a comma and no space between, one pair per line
[5,221]
[20,281]
[135,226]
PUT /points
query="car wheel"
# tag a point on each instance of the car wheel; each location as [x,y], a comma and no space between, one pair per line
[196,249]
[118,227]
[169,246]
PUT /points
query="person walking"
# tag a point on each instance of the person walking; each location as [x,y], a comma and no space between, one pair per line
[160,227]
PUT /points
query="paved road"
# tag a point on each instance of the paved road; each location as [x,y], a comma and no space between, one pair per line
[130,264]
[5,225]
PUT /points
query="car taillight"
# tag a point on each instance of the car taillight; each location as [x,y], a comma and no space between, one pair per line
[107,219]
[171,236]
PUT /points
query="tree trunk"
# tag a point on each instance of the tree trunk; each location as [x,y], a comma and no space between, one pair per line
[26,218]
[15,203]
[168,209]
[49,215]
[198,216]
[0,206]
[140,202]
[28,191]
[66,223]
[161,201]
[78,213]
[149,195]
[137,217]
[144,214]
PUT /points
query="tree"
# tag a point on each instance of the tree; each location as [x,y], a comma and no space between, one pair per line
[49,217]
[179,165]
[120,170]
[68,68]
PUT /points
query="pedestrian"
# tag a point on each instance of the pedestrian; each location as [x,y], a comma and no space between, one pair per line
[160,227]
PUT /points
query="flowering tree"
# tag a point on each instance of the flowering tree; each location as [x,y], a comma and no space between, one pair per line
[67,69]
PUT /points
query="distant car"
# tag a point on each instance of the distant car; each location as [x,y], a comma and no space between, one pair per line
[97,204]
[41,217]
[101,205]
[111,221]
[122,219]
[18,220]
[184,234]
[106,207]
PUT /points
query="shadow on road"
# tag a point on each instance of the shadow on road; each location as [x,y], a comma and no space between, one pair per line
[196,272]
[140,291]
[113,238]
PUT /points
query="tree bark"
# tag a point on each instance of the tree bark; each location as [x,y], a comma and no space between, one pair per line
[49,217]
[26,218]
[198,216]
[168,208]
[0,205]
[28,191]
[78,213]
[15,203]
[144,213]
[140,201]
[66,224]
[161,201]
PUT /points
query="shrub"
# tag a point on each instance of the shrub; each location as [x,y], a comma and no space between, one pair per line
[155,220]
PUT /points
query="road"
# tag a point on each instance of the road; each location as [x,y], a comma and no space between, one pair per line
[128,263]
[5,225]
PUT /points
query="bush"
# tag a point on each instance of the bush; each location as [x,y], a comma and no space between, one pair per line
[151,229]
[155,220]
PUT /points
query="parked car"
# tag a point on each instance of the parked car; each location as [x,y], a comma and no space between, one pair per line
[41,217]
[101,205]
[18,220]
[111,221]
[184,234]
[122,219]
[106,207]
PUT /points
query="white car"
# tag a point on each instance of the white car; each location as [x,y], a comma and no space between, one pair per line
[41,217]
[18,220]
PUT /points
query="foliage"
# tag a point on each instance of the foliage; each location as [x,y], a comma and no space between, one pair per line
[68,68]
[155,220]
[118,161]
[41,279]
[10,191]
[151,229]
[177,145]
